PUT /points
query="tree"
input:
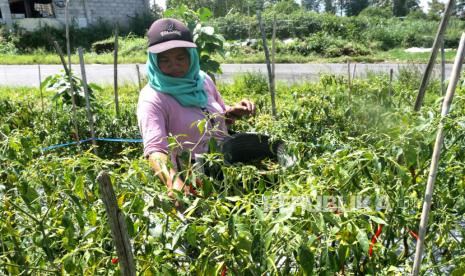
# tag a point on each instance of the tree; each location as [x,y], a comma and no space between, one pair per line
[156,10]
[399,7]
[381,3]
[460,9]
[286,7]
[329,7]
[340,6]
[403,7]
[219,7]
[354,7]
[436,8]
[311,5]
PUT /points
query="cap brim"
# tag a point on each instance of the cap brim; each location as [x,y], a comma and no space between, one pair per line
[164,46]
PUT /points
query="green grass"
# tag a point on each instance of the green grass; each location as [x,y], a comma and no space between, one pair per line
[399,55]
[394,55]
[49,58]
[132,49]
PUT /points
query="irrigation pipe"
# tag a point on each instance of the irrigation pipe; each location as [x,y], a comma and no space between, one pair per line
[446,104]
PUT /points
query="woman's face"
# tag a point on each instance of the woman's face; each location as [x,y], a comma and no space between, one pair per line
[174,62]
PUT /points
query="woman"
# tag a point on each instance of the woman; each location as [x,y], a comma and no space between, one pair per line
[178,96]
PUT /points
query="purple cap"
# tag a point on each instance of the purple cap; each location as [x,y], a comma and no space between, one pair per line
[168,33]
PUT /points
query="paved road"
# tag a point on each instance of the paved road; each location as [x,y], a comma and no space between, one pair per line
[27,75]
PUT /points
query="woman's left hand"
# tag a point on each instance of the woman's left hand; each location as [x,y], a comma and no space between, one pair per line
[242,108]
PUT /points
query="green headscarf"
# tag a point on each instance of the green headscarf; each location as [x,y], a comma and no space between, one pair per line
[187,90]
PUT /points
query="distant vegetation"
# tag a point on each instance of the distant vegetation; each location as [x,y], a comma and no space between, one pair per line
[311,32]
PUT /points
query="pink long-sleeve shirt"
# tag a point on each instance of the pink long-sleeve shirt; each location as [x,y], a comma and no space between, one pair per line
[160,115]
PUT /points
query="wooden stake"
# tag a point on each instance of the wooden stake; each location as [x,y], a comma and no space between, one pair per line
[443,69]
[455,76]
[138,77]
[117,224]
[40,89]
[115,63]
[268,64]
[62,58]
[70,79]
[86,92]
[434,52]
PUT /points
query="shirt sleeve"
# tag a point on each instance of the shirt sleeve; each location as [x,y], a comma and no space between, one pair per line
[152,120]
[210,85]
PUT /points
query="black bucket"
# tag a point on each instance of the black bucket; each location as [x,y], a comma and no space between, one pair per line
[248,147]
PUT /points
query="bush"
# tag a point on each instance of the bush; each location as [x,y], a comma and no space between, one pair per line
[7,42]
[236,26]
[348,49]
[140,23]
[80,37]
[128,45]
[104,46]
[99,33]
[377,12]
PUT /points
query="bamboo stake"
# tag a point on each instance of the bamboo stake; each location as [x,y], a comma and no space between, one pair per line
[40,89]
[434,52]
[443,69]
[273,52]
[138,77]
[70,79]
[118,226]
[455,75]
[353,72]
[62,58]
[391,74]
[268,65]
[86,92]
[349,82]
[115,76]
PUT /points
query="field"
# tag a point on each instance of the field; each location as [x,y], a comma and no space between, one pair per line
[361,142]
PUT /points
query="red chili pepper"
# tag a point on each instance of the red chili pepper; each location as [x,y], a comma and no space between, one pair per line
[114,260]
[375,238]
[193,191]
[223,272]
[413,234]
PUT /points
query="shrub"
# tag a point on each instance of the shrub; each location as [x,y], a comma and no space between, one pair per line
[377,12]
[128,45]
[140,23]
[236,26]
[7,42]
[44,37]
[348,49]
[99,33]
[104,46]
[417,15]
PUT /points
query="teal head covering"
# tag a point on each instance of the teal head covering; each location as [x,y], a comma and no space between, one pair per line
[187,90]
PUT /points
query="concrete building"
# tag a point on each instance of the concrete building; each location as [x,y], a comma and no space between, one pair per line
[32,14]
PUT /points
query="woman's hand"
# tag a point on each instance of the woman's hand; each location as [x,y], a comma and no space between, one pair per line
[179,185]
[242,108]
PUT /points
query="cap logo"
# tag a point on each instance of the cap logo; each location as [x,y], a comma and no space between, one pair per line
[170,29]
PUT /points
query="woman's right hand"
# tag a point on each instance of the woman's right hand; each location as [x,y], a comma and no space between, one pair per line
[179,185]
